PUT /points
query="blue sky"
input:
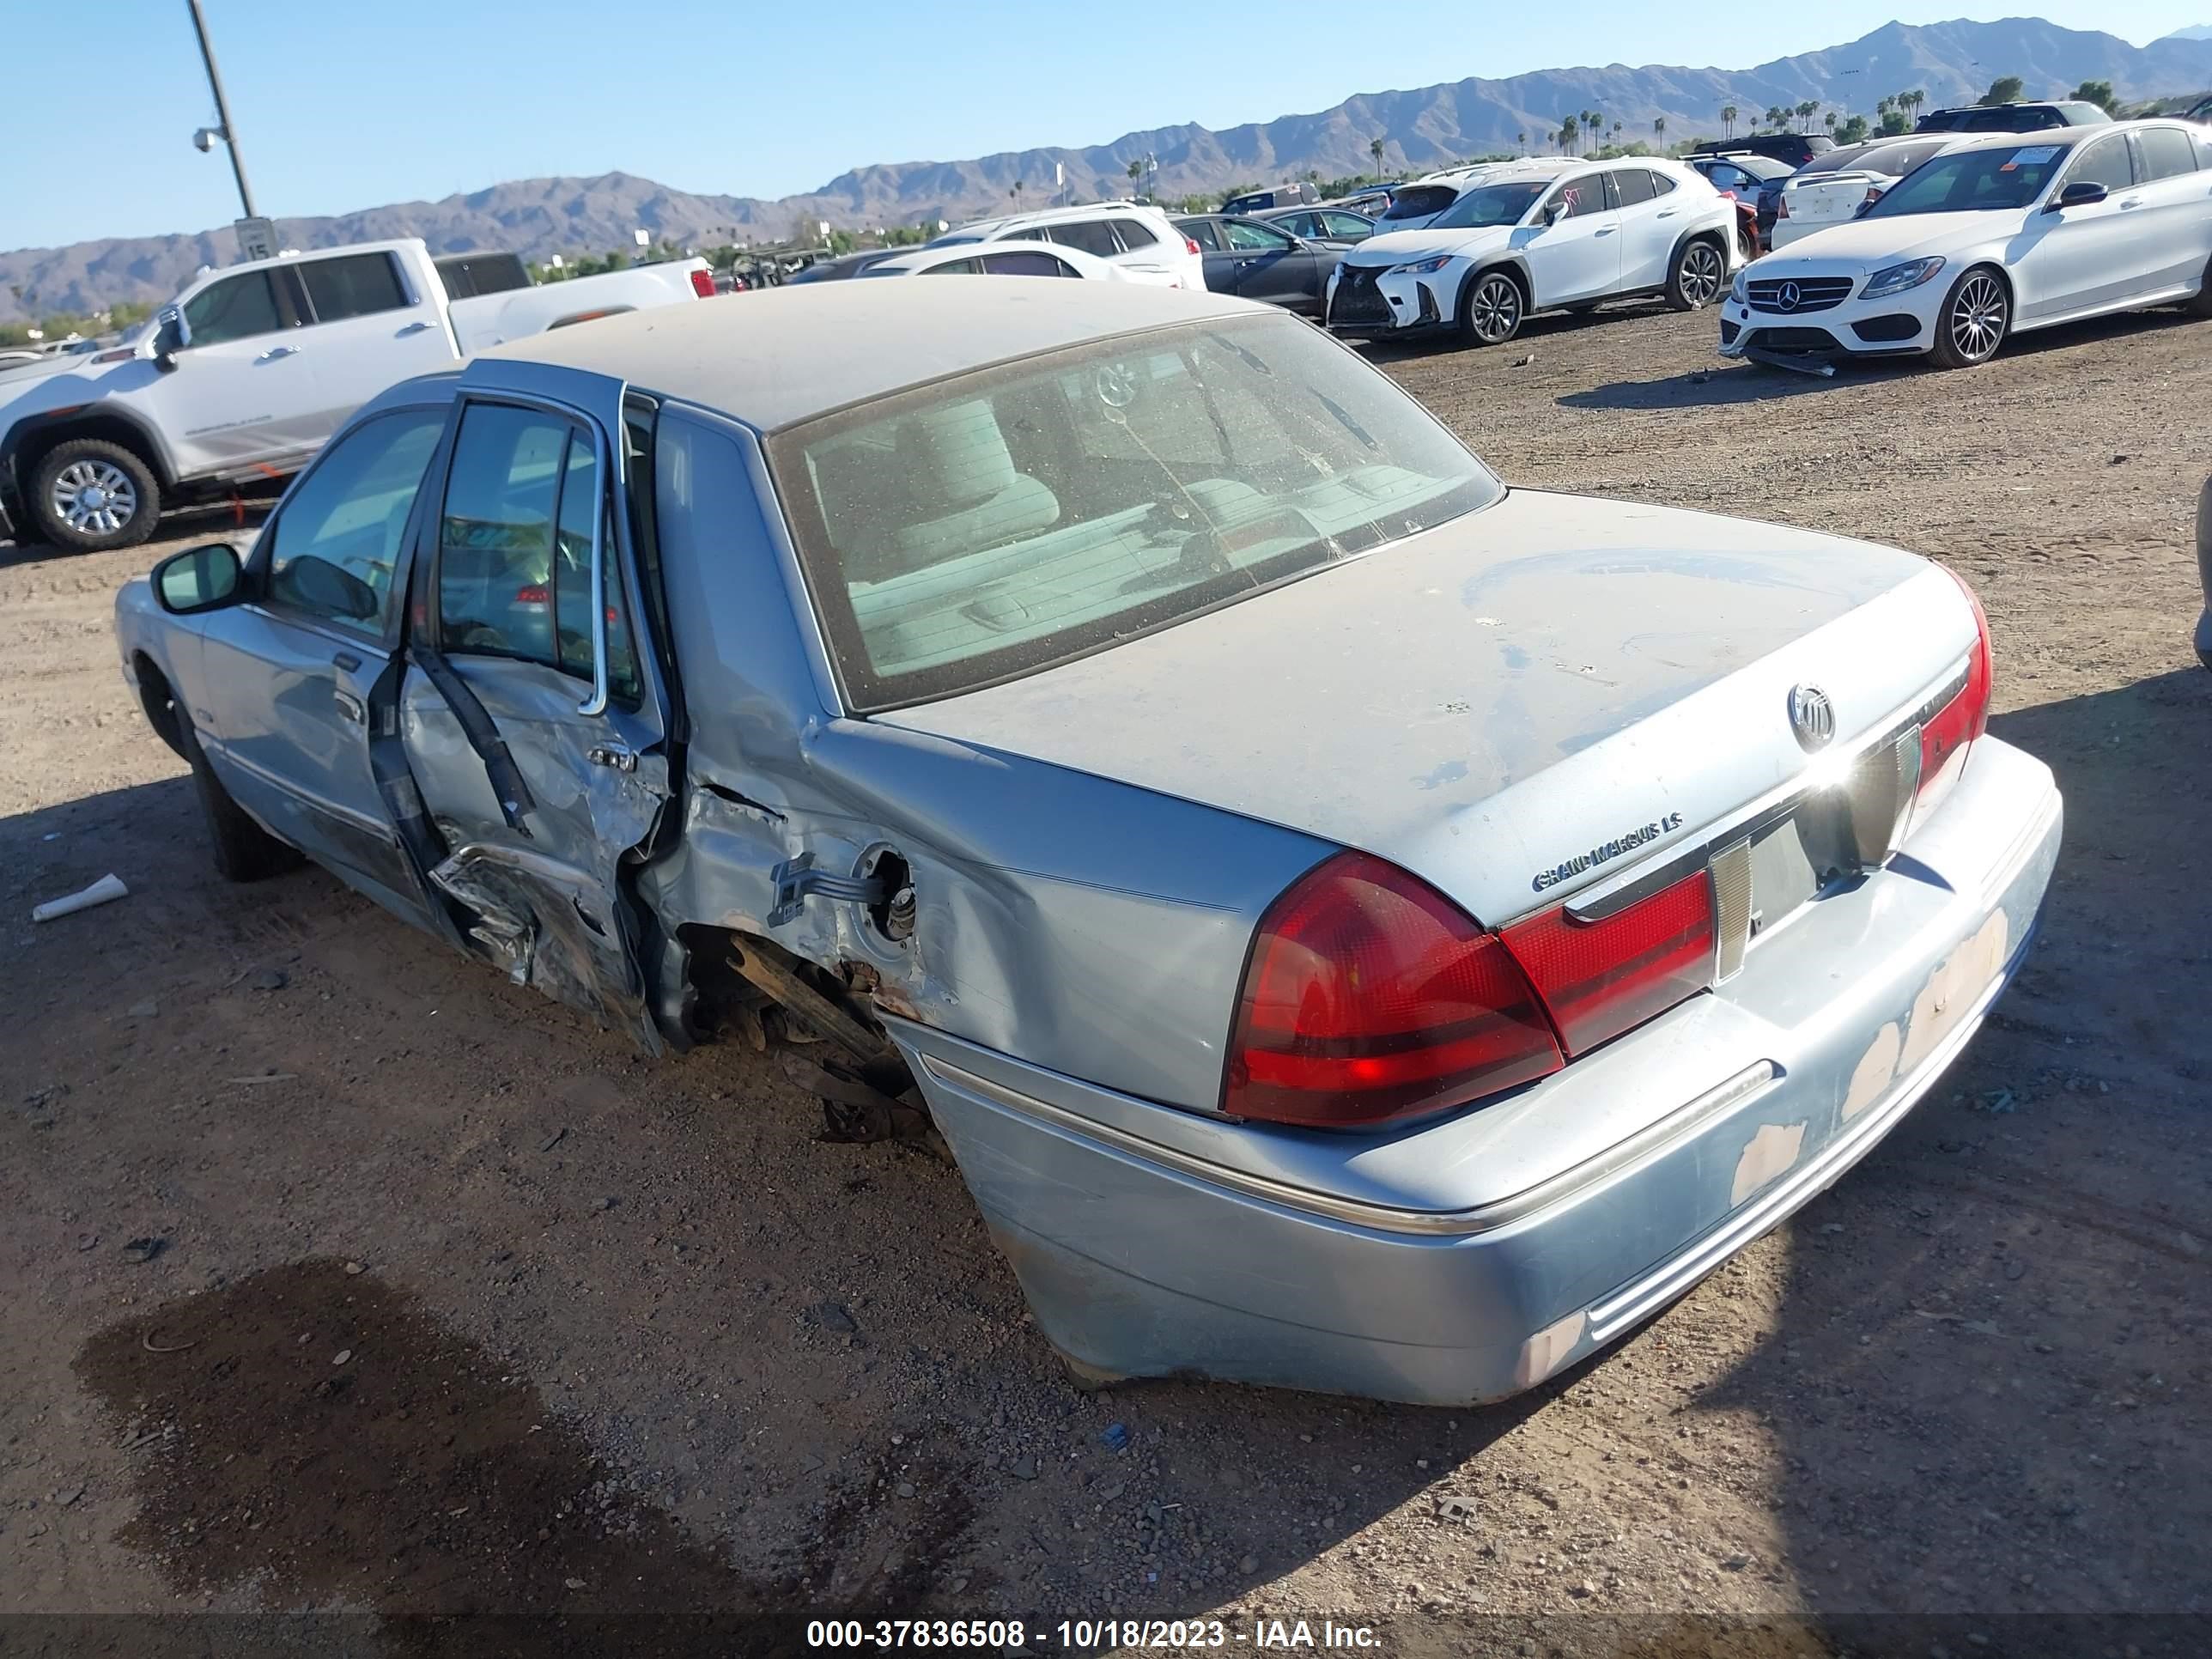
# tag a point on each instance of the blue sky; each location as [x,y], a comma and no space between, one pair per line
[351,107]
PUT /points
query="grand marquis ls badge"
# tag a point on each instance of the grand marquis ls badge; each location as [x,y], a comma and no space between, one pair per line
[1812,717]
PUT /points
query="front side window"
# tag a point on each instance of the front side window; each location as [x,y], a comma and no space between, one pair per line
[355,285]
[334,546]
[1581,195]
[1491,206]
[2166,153]
[236,308]
[515,546]
[1248,236]
[989,525]
[2104,162]
[1971,180]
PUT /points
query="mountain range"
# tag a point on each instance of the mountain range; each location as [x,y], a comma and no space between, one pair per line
[1427,127]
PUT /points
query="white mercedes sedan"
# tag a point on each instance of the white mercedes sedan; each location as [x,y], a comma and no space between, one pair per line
[2012,232]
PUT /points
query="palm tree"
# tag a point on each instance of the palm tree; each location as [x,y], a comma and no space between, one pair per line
[1520,142]
[1805,113]
[1616,132]
[1016,192]
[1914,99]
[1773,116]
[1830,118]
[1658,128]
[1727,121]
[1567,129]
[1136,171]
[1374,150]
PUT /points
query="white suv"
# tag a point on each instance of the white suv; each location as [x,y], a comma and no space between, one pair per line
[1537,235]
[1136,238]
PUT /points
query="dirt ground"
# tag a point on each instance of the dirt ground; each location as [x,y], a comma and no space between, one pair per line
[336,1274]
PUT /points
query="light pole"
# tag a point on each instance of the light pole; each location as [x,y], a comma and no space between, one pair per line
[223,129]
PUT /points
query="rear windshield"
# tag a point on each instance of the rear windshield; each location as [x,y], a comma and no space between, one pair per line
[1893,161]
[1491,205]
[985,526]
[1968,180]
[1417,201]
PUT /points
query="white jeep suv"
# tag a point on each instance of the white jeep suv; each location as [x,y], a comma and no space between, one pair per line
[1136,237]
[1539,235]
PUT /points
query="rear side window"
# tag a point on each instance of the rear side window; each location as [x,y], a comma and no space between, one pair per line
[1634,185]
[1418,201]
[236,308]
[514,547]
[1347,226]
[468,274]
[1026,262]
[950,268]
[334,547]
[1135,234]
[1090,235]
[2167,152]
[1202,232]
[357,285]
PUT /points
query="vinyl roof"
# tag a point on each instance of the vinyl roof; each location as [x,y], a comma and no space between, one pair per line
[781,356]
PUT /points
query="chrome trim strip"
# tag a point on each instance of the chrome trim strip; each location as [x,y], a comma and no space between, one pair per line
[1646,1142]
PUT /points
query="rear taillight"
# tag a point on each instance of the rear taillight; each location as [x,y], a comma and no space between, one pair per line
[1873,194]
[1599,975]
[1782,207]
[1369,996]
[533,594]
[1190,243]
[1946,733]
[702,284]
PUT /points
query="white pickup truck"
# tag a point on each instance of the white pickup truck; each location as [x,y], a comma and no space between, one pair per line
[244,374]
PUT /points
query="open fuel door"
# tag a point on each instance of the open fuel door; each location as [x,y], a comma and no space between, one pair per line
[533,716]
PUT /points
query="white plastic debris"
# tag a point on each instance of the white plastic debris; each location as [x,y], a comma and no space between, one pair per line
[106,890]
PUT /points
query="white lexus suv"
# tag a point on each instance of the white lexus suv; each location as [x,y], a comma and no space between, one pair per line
[2008,231]
[1538,236]
[1135,237]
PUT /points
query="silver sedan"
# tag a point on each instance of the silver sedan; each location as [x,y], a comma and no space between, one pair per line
[1357,927]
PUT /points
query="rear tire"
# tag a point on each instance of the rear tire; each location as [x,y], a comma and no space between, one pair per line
[1699,275]
[1976,316]
[1492,312]
[243,850]
[89,494]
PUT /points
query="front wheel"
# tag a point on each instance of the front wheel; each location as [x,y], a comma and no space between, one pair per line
[1972,322]
[89,494]
[1700,271]
[1491,314]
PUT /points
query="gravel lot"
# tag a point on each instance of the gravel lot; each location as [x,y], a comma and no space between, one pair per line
[337,1273]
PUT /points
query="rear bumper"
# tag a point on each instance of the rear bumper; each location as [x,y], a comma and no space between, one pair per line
[1150,1243]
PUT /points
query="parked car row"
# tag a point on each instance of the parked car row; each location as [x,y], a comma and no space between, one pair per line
[1995,234]
[251,368]
[1539,234]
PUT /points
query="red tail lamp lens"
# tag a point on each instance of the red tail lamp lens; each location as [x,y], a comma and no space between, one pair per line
[532,595]
[1948,732]
[1598,978]
[1369,996]
[702,284]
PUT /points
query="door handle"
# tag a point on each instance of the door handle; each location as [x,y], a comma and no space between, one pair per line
[1667,213]
[417,328]
[2132,202]
[1607,230]
[611,754]
[275,352]
[351,707]
[347,660]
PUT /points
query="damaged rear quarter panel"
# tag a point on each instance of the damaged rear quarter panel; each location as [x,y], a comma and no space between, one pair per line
[1089,927]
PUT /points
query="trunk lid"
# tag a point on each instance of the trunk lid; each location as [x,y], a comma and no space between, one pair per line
[1513,706]
[1829,198]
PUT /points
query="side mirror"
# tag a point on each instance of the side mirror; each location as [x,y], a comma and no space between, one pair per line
[199,579]
[2079,193]
[1554,210]
[169,339]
